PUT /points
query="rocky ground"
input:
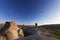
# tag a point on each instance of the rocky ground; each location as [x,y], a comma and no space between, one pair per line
[39,33]
[11,31]
[37,36]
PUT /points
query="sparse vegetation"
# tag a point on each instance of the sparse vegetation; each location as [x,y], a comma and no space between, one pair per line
[55,29]
[57,32]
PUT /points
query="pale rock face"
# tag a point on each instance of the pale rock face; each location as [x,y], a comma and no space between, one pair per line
[2,38]
[21,33]
[13,31]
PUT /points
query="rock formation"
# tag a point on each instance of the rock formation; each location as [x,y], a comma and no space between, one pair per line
[11,31]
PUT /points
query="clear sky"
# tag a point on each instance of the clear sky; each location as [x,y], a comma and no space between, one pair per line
[30,11]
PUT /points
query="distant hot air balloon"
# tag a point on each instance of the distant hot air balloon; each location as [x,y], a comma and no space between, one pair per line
[10,12]
[41,11]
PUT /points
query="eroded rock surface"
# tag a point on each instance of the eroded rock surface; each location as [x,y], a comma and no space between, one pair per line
[11,31]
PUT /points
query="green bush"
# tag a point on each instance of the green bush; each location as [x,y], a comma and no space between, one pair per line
[57,32]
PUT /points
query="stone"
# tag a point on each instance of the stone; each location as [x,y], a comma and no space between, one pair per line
[12,31]
[21,33]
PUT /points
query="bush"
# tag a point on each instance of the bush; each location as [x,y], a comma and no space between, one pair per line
[57,32]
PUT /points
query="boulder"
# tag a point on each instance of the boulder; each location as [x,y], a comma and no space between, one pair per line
[12,31]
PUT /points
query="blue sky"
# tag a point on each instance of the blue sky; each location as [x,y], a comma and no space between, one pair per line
[30,11]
